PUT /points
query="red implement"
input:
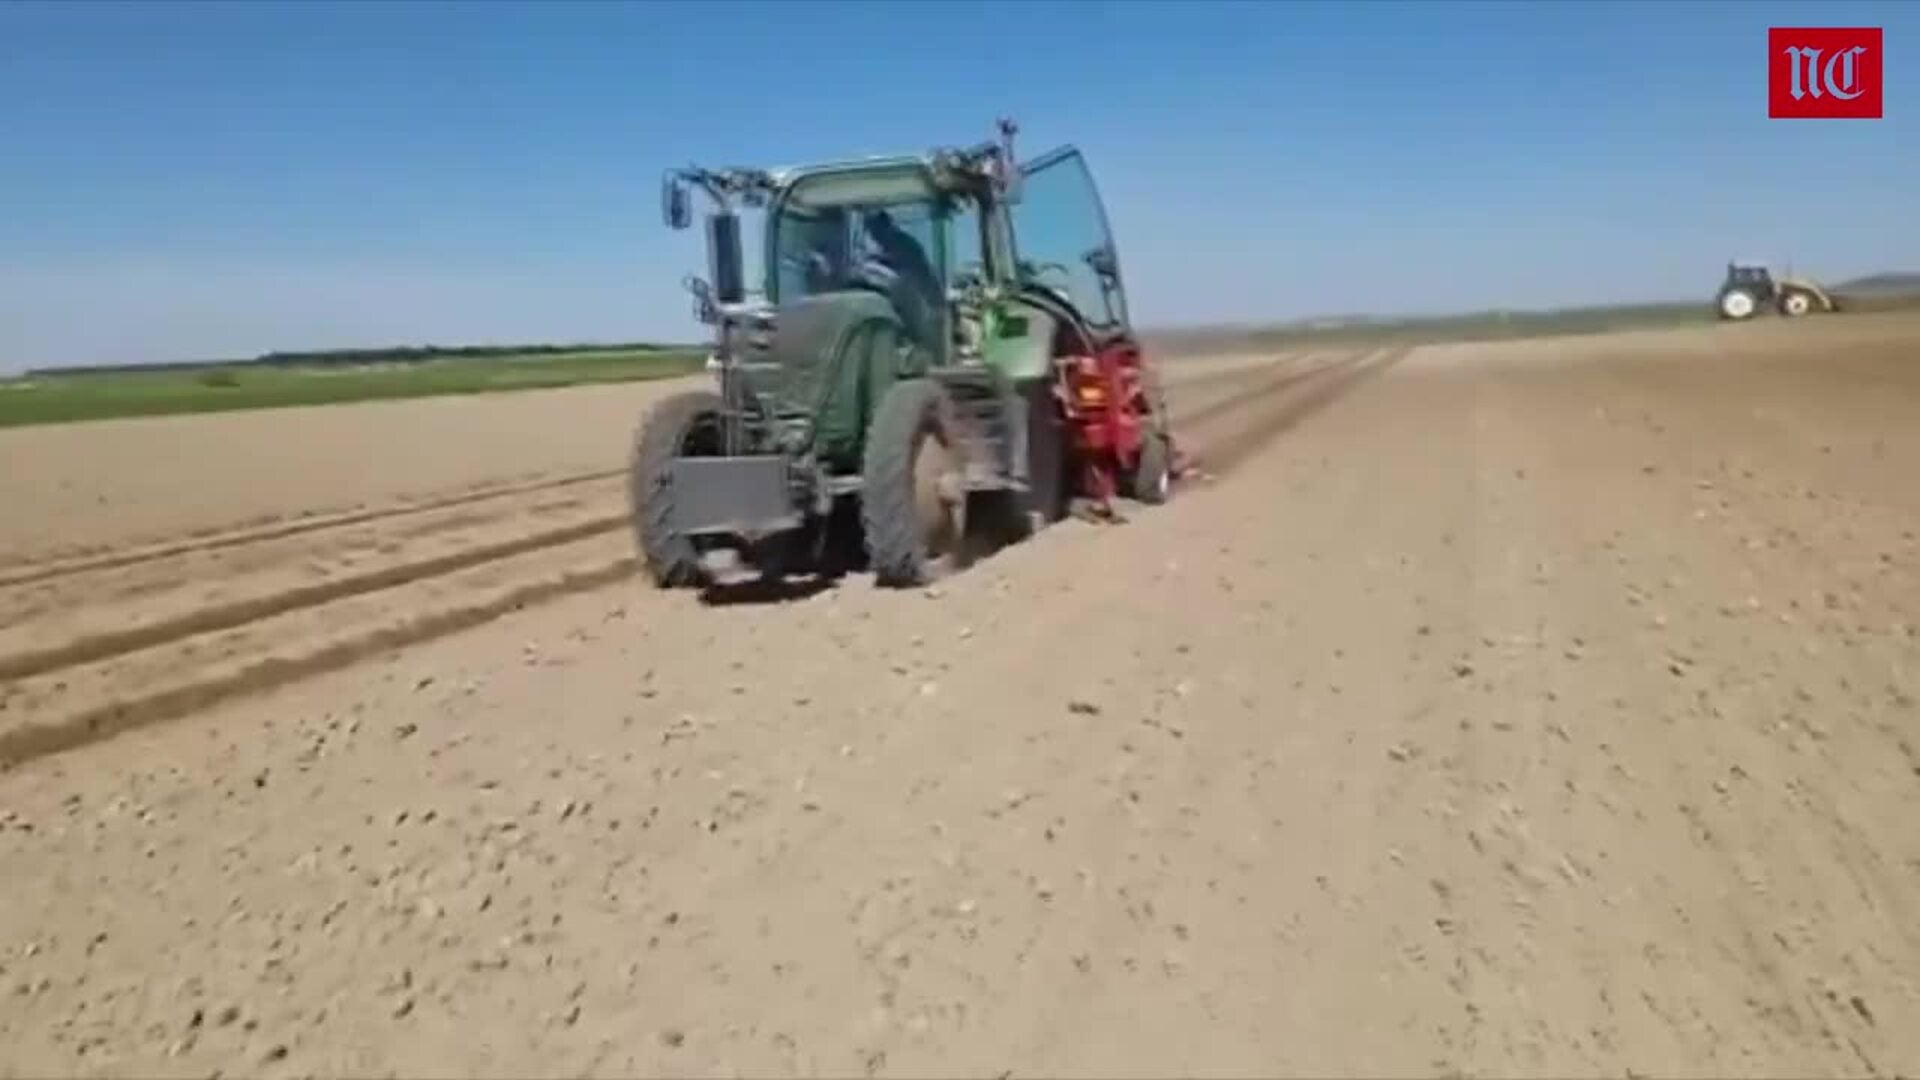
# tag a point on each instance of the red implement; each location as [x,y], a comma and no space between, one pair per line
[1109,415]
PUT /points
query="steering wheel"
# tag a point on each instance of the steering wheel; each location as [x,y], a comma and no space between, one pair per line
[872,272]
[1034,269]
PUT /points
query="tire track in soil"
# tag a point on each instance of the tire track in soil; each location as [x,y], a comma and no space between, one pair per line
[252,609]
[549,564]
[200,689]
[1251,423]
[1206,388]
[33,616]
[1228,399]
[280,530]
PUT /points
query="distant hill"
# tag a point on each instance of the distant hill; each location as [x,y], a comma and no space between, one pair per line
[1897,281]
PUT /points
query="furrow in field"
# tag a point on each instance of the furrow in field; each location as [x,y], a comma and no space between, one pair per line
[1228,433]
[1202,410]
[63,607]
[83,617]
[56,710]
[220,615]
[1194,389]
[279,529]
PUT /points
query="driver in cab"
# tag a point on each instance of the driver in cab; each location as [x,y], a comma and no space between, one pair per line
[917,288]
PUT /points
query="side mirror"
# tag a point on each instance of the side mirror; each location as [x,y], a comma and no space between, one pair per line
[725,260]
[675,207]
[703,308]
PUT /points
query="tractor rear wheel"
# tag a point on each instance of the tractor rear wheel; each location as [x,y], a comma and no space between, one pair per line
[1795,302]
[1010,517]
[684,425]
[1049,461]
[1738,304]
[913,497]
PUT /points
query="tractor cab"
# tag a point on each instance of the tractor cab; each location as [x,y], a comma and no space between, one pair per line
[1752,275]
[952,239]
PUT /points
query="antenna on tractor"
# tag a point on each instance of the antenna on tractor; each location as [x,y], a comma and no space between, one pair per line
[1009,165]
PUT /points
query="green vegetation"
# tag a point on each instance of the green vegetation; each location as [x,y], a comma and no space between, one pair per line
[390,354]
[56,396]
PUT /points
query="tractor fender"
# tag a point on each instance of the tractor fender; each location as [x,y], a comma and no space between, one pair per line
[1808,286]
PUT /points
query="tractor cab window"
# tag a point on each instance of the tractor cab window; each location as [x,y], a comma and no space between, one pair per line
[966,256]
[838,247]
[900,252]
[899,240]
[813,248]
[1061,240]
[839,230]
[843,246]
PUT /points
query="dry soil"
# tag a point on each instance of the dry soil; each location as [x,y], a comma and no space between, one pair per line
[1541,708]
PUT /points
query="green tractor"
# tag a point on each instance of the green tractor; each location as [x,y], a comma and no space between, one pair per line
[938,360]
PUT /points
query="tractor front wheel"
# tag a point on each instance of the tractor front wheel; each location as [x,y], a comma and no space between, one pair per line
[913,497]
[685,425]
[1795,303]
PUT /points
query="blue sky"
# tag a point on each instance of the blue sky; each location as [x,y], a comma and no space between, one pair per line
[193,180]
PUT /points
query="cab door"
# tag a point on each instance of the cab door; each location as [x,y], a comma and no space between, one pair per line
[1062,242]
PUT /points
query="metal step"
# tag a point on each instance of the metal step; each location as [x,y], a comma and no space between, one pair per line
[985,436]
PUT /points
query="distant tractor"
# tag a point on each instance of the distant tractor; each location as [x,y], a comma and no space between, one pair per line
[939,352]
[1749,287]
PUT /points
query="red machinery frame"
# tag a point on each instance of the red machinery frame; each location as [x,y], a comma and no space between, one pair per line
[1104,400]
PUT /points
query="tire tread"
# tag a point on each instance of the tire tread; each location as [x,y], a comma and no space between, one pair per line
[895,552]
[670,560]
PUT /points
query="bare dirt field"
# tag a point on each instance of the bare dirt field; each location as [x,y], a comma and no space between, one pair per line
[1539,708]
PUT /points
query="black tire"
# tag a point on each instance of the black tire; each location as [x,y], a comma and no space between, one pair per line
[1153,473]
[1794,303]
[686,424]
[1049,457]
[914,416]
[1010,517]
